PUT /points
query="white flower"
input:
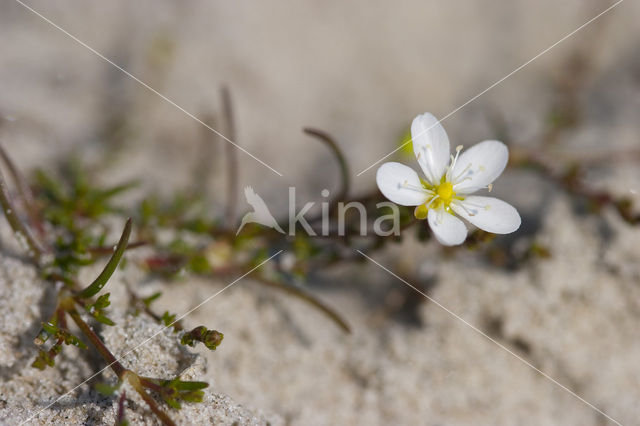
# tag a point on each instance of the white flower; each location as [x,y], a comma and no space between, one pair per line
[448,186]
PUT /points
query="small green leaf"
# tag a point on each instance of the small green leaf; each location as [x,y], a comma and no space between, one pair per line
[195,396]
[102,301]
[168,319]
[50,328]
[70,339]
[107,389]
[96,310]
[190,386]
[42,361]
[104,320]
[148,300]
[174,391]
[172,403]
[46,358]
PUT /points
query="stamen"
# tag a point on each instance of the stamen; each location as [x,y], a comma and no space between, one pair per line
[432,200]
[447,173]
[407,185]
[490,187]
[463,172]
[460,181]
[466,209]
[472,208]
[454,160]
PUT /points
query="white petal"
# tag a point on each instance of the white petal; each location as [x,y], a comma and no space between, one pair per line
[489,214]
[401,184]
[478,166]
[431,146]
[448,229]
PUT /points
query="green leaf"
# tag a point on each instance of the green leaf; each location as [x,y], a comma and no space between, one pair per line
[190,386]
[110,268]
[172,403]
[70,339]
[102,301]
[176,390]
[148,300]
[50,328]
[168,319]
[96,310]
[46,358]
[118,189]
[51,188]
[104,320]
[107,389]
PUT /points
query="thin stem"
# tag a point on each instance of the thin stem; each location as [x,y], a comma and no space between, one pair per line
[204,164]
[232,158]
[24,190]
[120,416]
[95,340]
[149,383]
[19,228]
[114,364]
[110,267]
[139,304]
[307,297]
[19,180]
[342,162]
[134,380]
[571,183]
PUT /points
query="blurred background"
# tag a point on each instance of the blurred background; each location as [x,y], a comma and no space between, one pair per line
[361,70]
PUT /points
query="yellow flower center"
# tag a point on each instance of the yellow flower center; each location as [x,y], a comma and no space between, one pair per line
[442,198]
[445,192]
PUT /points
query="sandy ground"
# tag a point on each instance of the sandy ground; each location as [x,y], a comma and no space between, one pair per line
[360,70]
